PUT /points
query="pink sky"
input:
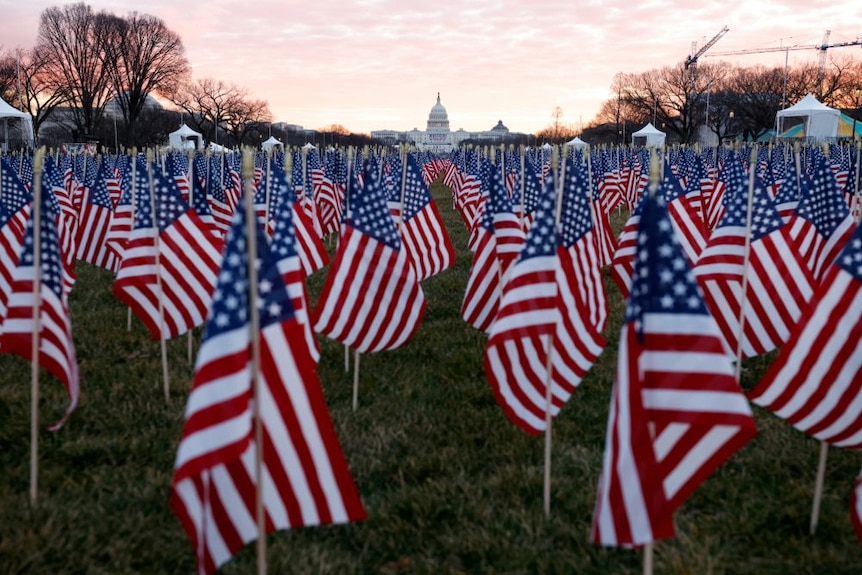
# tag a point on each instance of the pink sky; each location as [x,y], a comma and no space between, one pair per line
[374,64]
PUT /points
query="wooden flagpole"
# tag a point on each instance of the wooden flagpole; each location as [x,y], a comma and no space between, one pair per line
[857,212]
[655,177]
[191,174]
[820,476]
[159,295]
[355,378]
[344,210]
[818,487]
[523,191]
[134,207]
[549,360]
[746,257]
[254,327]
[34,343]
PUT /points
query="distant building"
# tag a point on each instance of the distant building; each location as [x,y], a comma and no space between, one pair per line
[437,136]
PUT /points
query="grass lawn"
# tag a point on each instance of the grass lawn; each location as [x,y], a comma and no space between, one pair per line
[450,485]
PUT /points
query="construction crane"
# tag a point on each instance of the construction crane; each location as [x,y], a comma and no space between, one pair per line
[691,61]
[822,48]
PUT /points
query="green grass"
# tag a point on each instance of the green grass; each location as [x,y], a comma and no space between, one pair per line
[450,485]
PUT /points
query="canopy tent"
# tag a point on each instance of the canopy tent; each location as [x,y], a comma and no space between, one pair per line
[649,135]
[808,118]
[270,143]
[185,139]
[577,143]
[849,127]
[23,124]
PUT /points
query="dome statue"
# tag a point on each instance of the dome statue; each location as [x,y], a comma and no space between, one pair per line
[438,118]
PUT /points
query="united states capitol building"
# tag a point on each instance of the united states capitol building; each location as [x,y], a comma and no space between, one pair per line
[437,137]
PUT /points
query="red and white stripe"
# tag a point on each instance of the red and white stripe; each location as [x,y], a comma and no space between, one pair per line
[348,312]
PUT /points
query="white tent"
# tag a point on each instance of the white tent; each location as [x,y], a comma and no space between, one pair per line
[185,139]
[808,118]
[649,135]
[25,124]
[270,143]
[577,143]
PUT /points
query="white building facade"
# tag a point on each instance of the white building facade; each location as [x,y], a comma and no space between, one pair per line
[438,137]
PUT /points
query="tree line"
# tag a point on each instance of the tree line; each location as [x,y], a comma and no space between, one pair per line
[728,101]
[93,75]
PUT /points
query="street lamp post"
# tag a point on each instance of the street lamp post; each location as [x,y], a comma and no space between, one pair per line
[858,109]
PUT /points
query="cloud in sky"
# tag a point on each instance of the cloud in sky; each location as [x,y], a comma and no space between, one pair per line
[371,64]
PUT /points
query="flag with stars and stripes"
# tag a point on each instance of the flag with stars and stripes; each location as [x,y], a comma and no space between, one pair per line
[289,263]
[778,283]
[498,240]
[822,222]
[677,412]
[94,221]
[624,256]
[56,347]
[815,383]
[536,328]
[169,256]
[306,479]
[421,229]
[371,300]
[580,255]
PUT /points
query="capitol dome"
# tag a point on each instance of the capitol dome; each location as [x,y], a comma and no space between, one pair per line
[438,119]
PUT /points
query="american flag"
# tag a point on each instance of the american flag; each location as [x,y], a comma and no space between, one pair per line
[815,383]
[14,197]
[93,224]
[606,243]
[14,217]
[779,284]
[624,256]
[787,196]
[122,219]
[188,259]
[327,196]
[532,192]
[684,209]
[222,195]
[676,412]
[581,258]
[372,300]
[421,229]
[538,311]
[306,480]
[520,339]
[56,347]
[491,261]
[284,248]
[732,181]
[178,168]
[822,223]
[312,252]
[610,189]
[67,219]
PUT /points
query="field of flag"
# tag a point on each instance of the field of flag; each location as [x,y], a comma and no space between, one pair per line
[484,317]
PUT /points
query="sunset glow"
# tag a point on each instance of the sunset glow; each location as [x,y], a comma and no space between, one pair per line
[374,64]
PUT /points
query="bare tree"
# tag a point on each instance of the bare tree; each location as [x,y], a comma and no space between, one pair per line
[245,117]
[71,39]
[213,105]
[557,131]
[207,102]
[142,56]
[37,95]
[8,77]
